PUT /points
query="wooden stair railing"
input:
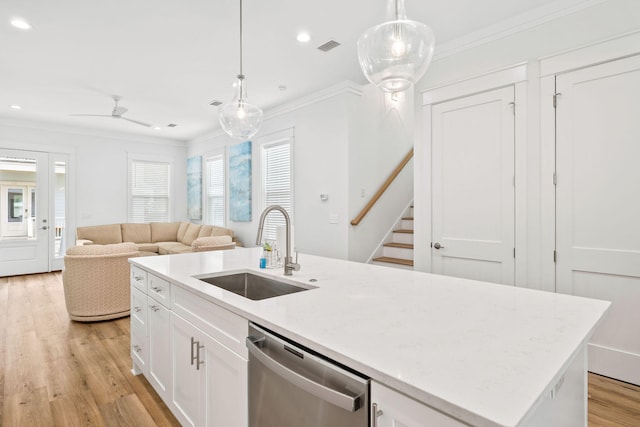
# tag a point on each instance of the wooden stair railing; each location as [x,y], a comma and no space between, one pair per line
[382,188]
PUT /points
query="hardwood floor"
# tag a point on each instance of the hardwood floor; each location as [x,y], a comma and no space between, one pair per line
[55,372]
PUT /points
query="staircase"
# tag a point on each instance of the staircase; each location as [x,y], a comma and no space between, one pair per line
[397,251]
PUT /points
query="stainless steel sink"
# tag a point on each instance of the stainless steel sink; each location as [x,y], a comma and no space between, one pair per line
[252,286]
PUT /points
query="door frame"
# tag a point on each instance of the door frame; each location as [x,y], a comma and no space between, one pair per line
[597,53]
[515,76]
[56,152]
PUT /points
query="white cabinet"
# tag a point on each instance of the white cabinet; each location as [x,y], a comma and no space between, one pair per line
[159,362]
[190,350]
[210,381]
[393,409]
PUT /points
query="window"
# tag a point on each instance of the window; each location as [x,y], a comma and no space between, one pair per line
[215,191]
[277,183]
[149,199]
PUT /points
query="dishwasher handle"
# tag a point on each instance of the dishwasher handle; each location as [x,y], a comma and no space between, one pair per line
[344,401]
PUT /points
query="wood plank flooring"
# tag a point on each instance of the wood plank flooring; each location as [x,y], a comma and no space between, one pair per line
[56,372]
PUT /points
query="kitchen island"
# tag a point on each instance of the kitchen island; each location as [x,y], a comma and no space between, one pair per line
[480,353]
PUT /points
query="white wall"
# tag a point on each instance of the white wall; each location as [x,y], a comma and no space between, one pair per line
[599,22]
[380,135]
[319,126]
[98,167]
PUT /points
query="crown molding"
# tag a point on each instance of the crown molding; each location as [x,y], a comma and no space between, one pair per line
[313,98]
[48,126]
[513,25]
[293,105]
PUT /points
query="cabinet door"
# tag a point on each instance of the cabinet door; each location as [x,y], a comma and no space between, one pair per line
[139,344]
[159,348]
[186,386]
[225,386]
[397,410]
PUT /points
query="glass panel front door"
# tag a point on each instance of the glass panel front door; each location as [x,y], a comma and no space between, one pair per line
[24,231]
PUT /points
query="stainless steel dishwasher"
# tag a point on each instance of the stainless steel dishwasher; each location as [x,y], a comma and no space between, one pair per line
[290,386]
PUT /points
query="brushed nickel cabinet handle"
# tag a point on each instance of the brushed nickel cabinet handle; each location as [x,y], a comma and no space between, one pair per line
[375,414]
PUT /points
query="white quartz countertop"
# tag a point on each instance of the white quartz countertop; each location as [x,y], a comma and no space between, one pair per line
[483,353]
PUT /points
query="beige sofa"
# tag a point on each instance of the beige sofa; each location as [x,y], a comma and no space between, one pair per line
[159,237]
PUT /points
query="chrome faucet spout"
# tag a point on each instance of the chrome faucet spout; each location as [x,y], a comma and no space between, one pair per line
[289,265]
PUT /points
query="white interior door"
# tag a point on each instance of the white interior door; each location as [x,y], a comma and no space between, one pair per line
[473,187]
[598,205]
[24,203]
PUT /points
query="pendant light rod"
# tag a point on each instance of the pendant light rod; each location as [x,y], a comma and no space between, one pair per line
[241,37]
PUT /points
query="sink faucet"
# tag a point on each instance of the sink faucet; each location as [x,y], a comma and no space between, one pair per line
[289,265]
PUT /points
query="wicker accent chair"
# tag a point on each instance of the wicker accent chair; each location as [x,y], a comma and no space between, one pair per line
[96,281]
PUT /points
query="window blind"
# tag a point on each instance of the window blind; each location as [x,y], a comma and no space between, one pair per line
[277,185]
[215,191]
[149,192]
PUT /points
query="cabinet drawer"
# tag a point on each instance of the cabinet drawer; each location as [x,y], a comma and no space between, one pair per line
[159,289]
[139,278]
[226,327]
[138,308]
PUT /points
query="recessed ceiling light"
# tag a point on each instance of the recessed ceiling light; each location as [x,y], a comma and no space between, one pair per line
[303,37]
[15,107]
[157,128]
[20,23]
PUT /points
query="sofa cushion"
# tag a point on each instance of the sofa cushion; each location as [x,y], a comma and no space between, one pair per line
[214,230]
[136,233]
[181,230]
[109,249]
[164,231]
[147,247]
[191,234]
[212,243]
[184,249]
[100,234]
[205,230]
[165,248]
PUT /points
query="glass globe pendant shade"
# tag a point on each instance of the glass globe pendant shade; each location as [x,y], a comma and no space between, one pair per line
[395,54]
[239,118]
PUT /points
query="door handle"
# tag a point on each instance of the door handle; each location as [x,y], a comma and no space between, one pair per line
[437,245]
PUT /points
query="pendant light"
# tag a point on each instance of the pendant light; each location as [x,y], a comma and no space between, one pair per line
[395,54]
[239,118]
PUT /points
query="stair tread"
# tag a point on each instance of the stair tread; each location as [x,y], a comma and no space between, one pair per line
[399,245]
[394,260]
[403,230]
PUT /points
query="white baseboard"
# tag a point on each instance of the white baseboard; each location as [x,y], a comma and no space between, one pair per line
[614,363]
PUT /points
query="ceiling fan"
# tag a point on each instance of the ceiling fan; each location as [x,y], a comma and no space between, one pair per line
[116,113]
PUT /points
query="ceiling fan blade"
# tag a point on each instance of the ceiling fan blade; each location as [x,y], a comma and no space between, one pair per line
[92,115]
[136,122]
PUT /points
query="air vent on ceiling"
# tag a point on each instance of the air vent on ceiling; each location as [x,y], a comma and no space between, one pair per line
[215,103]
[172,125]
[331,44]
